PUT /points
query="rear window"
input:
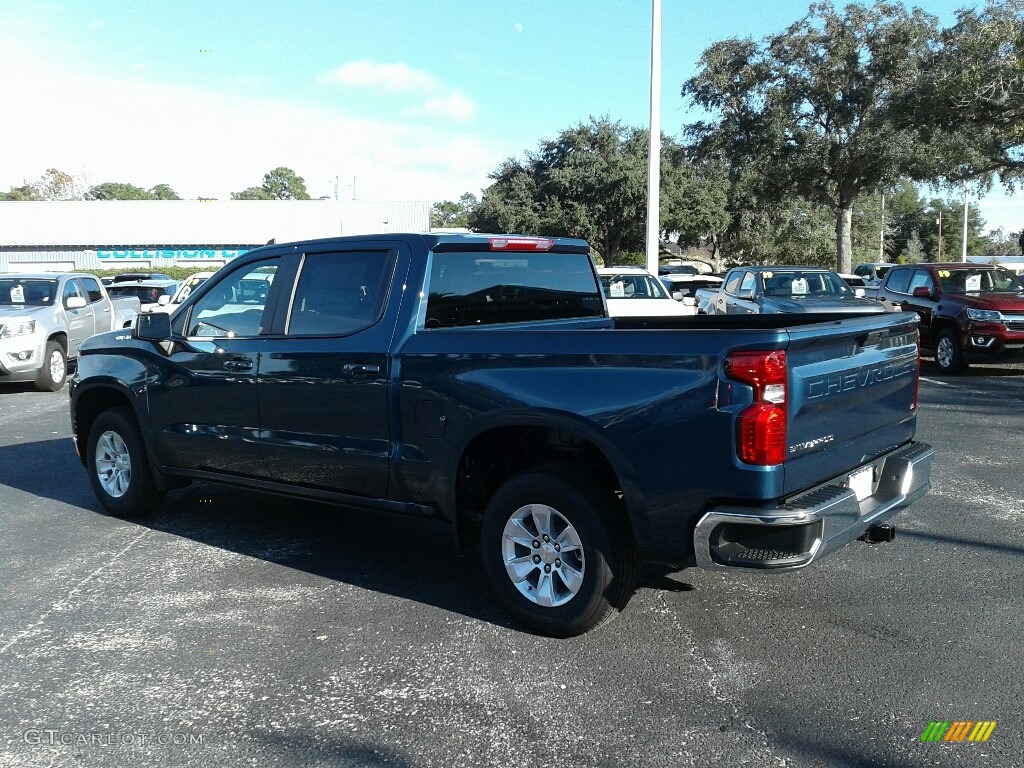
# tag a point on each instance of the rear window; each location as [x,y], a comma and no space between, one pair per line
[469,288]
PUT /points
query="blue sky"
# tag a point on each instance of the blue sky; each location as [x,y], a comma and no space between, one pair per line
[400,99]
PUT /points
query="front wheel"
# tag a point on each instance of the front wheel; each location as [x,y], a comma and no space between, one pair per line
[557,551]
[52,375]
[118,466]
[949,356]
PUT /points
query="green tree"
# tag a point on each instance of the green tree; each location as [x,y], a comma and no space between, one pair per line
[115,190]
[448,213]
[163,192]
[589,182]
[999,242]
[284,184]
[974,93]
[252,193]
[26,191]
[819,110]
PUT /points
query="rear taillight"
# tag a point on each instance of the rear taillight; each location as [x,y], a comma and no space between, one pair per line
[761,428]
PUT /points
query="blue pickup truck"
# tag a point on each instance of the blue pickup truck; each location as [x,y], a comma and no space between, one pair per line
[479,380]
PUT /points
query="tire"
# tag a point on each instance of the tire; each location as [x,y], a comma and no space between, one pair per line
[52,375]
[119,467]
[578,578]
[949,355]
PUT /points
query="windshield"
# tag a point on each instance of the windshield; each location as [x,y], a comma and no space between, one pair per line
[146,294]
[632,285]
[794,285]
[27,292]
[979,281]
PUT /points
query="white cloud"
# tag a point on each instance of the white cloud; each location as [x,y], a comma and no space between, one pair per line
[455,106]
[210,143]
[394,78]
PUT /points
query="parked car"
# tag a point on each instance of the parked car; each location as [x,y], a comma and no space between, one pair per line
[635,292]
[969,312]
[479,380]
[873,272]
[135,277]
[683,286]
[45,317]
[787,290]
[170,303]
[148,292]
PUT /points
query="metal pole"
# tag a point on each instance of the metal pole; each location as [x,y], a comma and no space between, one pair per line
[939,257]
[654,146]
[963,250]
[881,234]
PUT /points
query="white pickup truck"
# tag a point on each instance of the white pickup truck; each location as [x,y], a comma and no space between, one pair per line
[45,317]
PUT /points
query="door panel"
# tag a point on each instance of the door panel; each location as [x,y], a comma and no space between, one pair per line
[324,386]
[206,414]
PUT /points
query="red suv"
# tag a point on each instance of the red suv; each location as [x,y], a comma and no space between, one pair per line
[968,311]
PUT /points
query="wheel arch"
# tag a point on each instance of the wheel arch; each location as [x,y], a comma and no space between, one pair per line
[540,440]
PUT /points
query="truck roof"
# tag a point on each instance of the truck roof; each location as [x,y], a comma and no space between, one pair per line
[444,240]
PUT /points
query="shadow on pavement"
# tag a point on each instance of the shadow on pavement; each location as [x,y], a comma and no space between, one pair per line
[409,557]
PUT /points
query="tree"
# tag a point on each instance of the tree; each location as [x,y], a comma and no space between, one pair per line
[451,214]
[26,191]
[284,184]
[974,91]
[819,110]
[58,185]
[115,190]
[163,192]
[252,193]
[590,182]
[1020,242]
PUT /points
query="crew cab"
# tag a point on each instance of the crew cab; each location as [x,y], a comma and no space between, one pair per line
[479,380]
[787,290]
[969,312]
[45,317]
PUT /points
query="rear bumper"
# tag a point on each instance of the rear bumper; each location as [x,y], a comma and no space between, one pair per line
[810,525]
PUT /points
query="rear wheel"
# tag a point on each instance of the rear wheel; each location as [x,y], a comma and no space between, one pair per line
[557,551]
[118,466]
[949,356]
[55,368]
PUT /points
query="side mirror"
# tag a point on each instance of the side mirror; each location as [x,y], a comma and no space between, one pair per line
[74,302]
[164,300]
[153,326]
[860,293]
[689,301]
[745,293]
[922,292]
[677,295]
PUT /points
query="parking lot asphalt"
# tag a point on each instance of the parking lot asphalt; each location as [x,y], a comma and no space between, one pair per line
[239,629]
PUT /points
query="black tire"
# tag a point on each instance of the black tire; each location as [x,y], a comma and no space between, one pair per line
[45,380]
[116,434]
[606,558]
[949,355]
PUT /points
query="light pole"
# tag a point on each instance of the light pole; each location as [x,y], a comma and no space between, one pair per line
[654,144]
[939,222]
[963,249]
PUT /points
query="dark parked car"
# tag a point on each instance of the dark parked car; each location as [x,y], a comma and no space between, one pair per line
[969,312]
[788,290]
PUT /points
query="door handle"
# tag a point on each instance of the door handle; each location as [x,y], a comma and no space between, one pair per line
[238,364]
[360,369]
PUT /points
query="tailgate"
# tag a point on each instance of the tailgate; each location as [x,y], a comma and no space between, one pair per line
[850,396]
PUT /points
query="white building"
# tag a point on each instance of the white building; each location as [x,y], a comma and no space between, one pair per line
[153,234]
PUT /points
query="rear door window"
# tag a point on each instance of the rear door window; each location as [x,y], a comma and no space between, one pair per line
[339,293]
[898,280]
